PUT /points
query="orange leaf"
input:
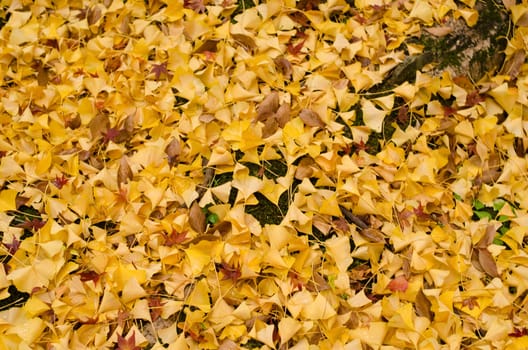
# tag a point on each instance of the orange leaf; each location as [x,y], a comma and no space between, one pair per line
[398,284]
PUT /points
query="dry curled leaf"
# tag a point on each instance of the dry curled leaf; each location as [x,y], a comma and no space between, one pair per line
[487,262]
[439,31]
[124,172]
[373,235]
[423,305]
[311,118]
[268,106]
[283,115]
[173,151]
[245,41]
[197,219]
[284,66]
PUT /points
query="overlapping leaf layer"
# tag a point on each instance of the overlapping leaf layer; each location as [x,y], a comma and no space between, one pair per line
[208,174]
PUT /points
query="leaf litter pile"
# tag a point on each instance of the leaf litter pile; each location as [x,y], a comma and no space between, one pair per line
[214,174]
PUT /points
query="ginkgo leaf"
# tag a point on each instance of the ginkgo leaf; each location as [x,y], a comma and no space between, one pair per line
[311,118]
[398,284]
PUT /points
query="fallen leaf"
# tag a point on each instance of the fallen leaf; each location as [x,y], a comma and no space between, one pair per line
[487,262]
[310,118]
[197,219]
[439,31]
[127,344]
[245,41]
[124,172]
[373,235]
[398,284]
[268,106]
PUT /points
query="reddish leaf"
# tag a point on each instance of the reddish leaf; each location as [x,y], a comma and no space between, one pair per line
[474,98]
[110,135]
[13,246]
[296,280]
[127,344]
[295,49]
[403,114]
[420,212]
[90,276]
[470,302]
[160,70]
[175,238]
[398,284]
[197,5]
[449,111]
[155,304]
[230,273]
[59,182]
[33,224]
[518,332]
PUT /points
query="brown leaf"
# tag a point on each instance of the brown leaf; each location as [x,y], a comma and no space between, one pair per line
[124,172]
[439,31]
[210,45]
[284,66]
[423,305]
[283,115]
[304,169]
[42,76]
[353,218]
[373,235]
[245,41]
[268,106]
[513,65]
[491,171]
[197,218]
[487,262]
[197,6]
[522,21]
[98,125]
[487,239]
[407,258]
[270,126]
[93,15]
[130,123]
[173,151]
[310,118]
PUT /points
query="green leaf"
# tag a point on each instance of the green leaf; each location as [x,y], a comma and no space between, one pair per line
[457,196]
[498,204]
[503,218]
[478,204]
[483,214]
[212,218]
